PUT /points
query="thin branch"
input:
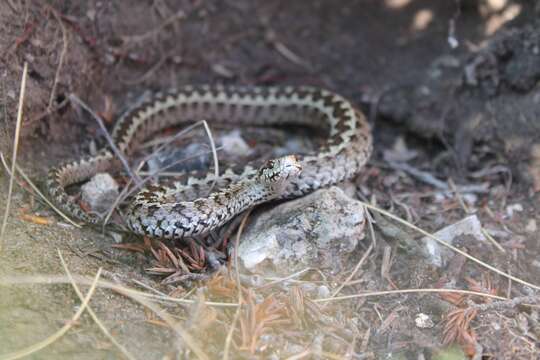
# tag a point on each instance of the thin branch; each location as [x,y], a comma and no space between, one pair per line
[287,278]
[14,156]
[407,291]
[93,315]
[214,154]
[179,15]
[59,279]
[228,340]
[431,180]
[117,152]
[61,60]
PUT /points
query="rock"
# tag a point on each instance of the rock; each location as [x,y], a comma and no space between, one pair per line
[512,209]
[233,144]
[531,226]
[100,192]
[423,321]
[319,230]
[438,254]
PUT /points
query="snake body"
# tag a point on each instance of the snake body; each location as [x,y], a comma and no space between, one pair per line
[159,211]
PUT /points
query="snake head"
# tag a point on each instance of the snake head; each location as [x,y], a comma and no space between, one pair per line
[276,172]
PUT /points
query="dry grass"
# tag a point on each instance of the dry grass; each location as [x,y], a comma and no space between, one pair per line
[240,299]
[137,296]
[93,315]
[267,310]
[14,155]
[57,335]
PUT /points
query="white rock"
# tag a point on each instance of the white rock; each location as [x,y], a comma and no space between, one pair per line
[511,209]
[323,292]
[233,144]
[531,226]
[100,192]
[438,253]
[319,230]
[423,321]
[399,152]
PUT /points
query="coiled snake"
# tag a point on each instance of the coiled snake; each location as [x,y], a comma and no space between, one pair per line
[157,210]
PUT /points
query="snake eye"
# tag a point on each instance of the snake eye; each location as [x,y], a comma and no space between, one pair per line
[267,167]
[279,170]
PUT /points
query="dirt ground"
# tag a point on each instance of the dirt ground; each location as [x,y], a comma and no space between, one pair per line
[451,89]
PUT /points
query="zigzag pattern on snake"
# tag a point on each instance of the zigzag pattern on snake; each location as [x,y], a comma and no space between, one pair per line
[158,210]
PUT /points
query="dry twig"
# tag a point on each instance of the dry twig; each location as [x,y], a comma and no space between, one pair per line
[230,333]
[74,98]
[407,291]
[14,156]
[93,315]
[61,60]
[58,279]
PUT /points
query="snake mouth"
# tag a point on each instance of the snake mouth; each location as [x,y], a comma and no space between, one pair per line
[280,169]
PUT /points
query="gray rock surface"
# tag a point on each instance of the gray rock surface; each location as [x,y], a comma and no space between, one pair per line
[100,192]
[437,254]
[319,230]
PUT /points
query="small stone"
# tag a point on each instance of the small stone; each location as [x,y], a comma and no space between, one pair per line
[423,321]
[399,152]
[323,292]
[531,226]
[437,254]
[511,209]
[100,192]
[222,70]
[470,199]
[91,14]
[453,42]
[497,233]
[234,145]
[117,237]
[319,230]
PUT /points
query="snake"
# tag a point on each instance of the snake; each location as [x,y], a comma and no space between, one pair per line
[163,211]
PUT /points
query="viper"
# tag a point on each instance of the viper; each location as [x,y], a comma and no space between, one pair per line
[160,211]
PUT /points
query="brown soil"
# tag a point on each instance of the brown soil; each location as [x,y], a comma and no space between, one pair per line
[471,113]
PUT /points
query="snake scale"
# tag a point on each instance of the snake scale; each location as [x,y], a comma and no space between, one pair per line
[159,211]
